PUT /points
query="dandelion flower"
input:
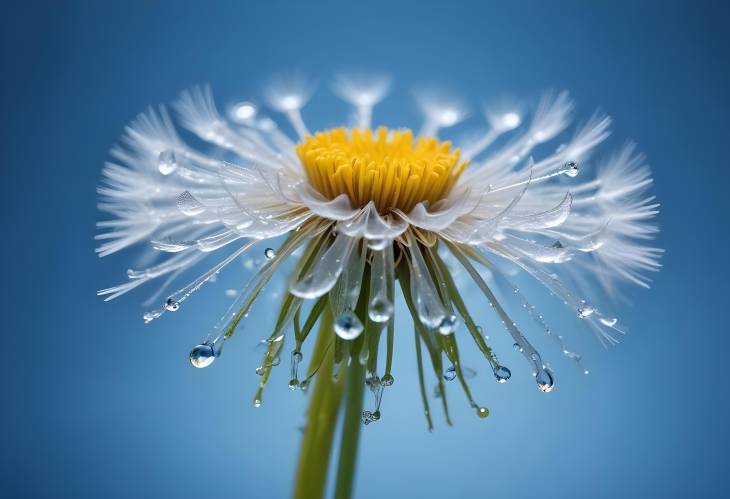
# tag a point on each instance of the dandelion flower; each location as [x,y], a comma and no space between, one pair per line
[366,214]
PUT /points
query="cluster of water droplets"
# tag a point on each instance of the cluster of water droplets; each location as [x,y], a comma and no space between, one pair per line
[375,385]
[540,320]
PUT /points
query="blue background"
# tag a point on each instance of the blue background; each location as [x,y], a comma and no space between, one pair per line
[96,404]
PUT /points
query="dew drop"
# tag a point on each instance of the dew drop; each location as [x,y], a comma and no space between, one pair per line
[585,311]
[450,373]
[269,253]
[293,384]
[171,305]
[202,355]
[257,403]
[518,348]
[348,326]
[502,374]
[482,412]
[448,324]
[167,163]
[387,380]
[571,169]
[545,381]
[260,370]
[380,309]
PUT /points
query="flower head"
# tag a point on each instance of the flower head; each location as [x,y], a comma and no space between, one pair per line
[368,210]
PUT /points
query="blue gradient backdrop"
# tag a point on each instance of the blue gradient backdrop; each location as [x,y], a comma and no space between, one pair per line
[95,404]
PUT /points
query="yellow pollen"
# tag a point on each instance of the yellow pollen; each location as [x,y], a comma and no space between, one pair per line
[392,169]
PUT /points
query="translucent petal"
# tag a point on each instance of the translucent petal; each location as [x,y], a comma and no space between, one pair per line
[546,219]
[338,208]
[369,224]
[380,306]
[429,308]
[326,270]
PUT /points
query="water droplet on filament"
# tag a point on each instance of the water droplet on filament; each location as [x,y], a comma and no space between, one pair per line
[585,311]
[269,253]
[202,355]
[545,382]
[448,324]
[571,168]
[502,374]
[380,309]
[171,305]
[167,163]
[348,326]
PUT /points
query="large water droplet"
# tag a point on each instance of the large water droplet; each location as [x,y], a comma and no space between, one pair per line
[482,412]
[387,380]
[171,305]
[450,373]
[571,168]
[293,384]
[448,324]
[167,162]
[269,253]
[202,355]
[545,382]
[348,326]
[518,347]
[502,374]
[380,310]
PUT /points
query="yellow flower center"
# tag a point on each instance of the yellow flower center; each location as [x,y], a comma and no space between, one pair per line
[392,169]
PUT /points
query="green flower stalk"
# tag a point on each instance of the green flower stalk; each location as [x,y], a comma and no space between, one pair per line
[367,216]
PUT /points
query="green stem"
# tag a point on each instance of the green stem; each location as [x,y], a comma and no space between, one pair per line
[324,405]
[350,429]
